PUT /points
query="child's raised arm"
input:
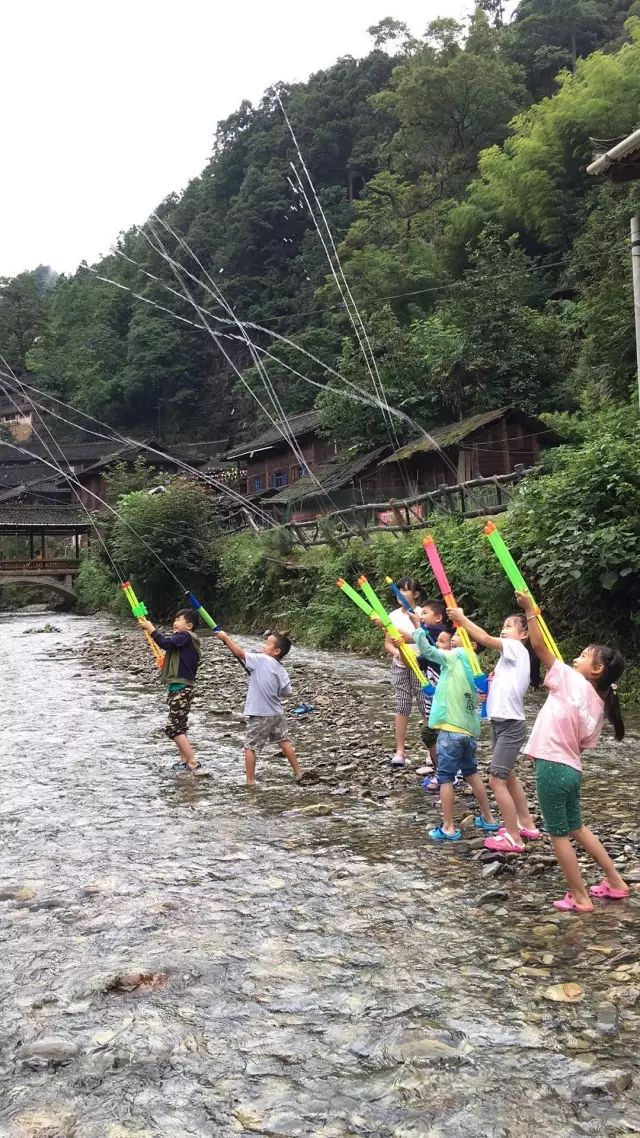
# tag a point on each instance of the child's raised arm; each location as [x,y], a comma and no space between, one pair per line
[536,639]
[476,633]
[234,648]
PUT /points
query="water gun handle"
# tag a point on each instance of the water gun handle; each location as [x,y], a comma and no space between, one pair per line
[482,686]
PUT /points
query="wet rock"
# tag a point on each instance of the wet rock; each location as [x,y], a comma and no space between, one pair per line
[491,869]
[316,810]
[425,1050]
[16,893]
[607,1081]
[44,1124]
[49,1049]
[607,1019]
[492,896]
[564,993]
[544,930]
[131,981]
[249,1118]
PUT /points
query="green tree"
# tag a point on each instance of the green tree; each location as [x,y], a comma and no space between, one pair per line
[578,530]
[180,525]
[601,314]
[351,423]
[450,103]
[536,181]
[547,35]
[387,31]
[491,343]
[21,315]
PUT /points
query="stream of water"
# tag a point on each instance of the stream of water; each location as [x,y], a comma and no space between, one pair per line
[180,958]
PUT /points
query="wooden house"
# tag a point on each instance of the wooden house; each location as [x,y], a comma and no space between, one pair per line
[93,479]
[482,446]
[333,485]
[269,463]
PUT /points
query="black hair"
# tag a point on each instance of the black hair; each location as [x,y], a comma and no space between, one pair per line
[438,607]
[190,615]
[282,642]
[535,679]
[410,585]
[612,662]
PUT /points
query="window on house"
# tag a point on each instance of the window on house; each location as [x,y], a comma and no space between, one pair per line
[298,472]
[279,478]
[257,482]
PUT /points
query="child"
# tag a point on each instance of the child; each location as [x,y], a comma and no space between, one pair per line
[569,723]
[514,672]
[182,656]
[268,682]
[454,715]
[405,683]
[434,618]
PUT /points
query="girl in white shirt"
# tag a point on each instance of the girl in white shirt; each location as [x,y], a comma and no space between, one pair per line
[515,671]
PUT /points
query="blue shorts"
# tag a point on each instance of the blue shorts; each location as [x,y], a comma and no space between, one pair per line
[455,753]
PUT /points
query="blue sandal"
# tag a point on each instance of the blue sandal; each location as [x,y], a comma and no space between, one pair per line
[486,827]
[439,835]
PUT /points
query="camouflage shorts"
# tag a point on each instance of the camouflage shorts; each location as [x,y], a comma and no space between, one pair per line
[179,708]
[265,729]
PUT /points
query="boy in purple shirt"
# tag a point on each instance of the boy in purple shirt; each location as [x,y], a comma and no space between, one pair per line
[182,656]
[268,682]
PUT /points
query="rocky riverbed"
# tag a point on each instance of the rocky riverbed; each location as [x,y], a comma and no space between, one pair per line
[181,957]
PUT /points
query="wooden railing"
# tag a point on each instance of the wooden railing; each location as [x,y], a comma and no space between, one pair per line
[477,498]
[40,565]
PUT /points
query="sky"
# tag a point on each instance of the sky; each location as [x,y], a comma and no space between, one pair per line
[110,105]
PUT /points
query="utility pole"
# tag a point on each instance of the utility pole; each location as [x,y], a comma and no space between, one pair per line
[635,261]
[619,160]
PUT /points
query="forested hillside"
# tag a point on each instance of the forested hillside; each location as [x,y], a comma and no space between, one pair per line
[488,267]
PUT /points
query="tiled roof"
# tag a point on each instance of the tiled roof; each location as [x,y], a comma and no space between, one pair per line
[331,475]
[43,517]
[27,472]
[130,453]
[73,452]
[298,425]
[440,438]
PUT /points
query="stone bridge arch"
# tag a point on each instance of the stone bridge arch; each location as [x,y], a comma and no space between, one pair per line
[41,581]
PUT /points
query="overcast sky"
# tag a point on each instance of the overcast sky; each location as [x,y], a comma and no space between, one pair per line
[109,105]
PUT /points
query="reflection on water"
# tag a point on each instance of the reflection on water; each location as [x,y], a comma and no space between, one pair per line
[284,975]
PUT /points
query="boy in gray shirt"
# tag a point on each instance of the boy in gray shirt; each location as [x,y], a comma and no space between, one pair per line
[268,682]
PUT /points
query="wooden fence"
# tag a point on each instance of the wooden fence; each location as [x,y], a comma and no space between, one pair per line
[479,497]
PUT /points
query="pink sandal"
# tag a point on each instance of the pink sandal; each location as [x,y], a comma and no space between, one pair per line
[532,835]
[604,890]
[569,905]
[503,843]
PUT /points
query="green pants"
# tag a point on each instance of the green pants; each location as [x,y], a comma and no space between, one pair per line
[558,787]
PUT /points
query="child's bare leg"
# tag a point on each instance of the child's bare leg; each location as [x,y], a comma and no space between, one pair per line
[187,753]
[516,790]
[402,724]
[506,805]
[250,766]
[596,850]
[447,802]
[568,863]
[480,795]
[287,750]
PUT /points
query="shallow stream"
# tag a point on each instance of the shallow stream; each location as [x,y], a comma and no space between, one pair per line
[181,958]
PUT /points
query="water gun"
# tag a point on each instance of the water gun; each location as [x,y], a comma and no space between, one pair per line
[405,604]
[208,620]
[497,543]
[372,606]
[140,611]
[480,680]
